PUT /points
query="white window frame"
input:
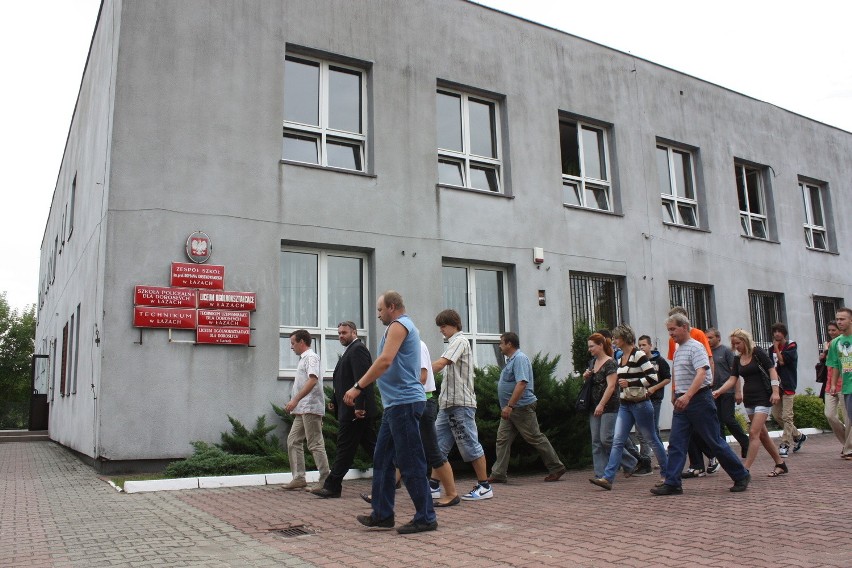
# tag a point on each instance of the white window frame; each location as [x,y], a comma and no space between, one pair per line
[322,331]
[470,328]
[674,201]
[747,217]
[465,157]
[322,133]
[578,184]
[810,227]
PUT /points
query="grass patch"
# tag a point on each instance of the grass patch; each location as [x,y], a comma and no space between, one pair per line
[121,479]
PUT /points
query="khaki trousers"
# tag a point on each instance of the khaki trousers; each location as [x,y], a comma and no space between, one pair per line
[841,426]
[783,414]
[307,427]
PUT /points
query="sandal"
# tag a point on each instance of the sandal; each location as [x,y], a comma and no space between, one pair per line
[779,466]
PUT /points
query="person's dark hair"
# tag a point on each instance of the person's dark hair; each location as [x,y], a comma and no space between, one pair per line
[832,323]
[605,332]
[646,338]
[625,333]
[601,339]
[349,324]
[393,298]
[512,339]
[778,326]
[302,335]
[847,310]
[449,317]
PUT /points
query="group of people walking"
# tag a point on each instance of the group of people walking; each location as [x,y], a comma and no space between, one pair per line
[627,385]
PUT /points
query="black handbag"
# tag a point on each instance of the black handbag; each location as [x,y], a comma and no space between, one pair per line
[584,399]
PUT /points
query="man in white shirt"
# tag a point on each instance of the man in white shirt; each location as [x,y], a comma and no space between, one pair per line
[307,405]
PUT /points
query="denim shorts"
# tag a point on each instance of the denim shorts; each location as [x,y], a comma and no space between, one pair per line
[767,410]
[457,424]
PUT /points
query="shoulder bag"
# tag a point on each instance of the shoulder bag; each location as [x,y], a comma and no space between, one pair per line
[584,399]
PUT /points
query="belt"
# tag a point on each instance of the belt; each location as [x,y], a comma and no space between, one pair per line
[702,389]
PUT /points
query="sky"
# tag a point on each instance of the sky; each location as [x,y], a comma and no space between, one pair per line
[793,55]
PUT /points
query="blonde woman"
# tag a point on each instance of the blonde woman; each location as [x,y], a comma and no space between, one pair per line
[758,373]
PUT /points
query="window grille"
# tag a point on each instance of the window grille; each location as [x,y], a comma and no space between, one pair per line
[765,308]
[596,300]
[695,299]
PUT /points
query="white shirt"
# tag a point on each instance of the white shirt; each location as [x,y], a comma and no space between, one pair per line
[314,401]
[426,363]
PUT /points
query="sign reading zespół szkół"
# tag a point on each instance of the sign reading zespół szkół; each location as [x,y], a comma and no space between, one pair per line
[208,276]
[165,297]
[222,335]
[173,318]
[227,300]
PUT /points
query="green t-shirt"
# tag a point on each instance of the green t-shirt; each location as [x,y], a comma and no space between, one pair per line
[840,357]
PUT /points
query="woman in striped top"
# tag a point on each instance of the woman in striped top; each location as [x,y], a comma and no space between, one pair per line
[634,370]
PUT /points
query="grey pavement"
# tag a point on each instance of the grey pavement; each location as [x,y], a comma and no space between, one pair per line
[56,512]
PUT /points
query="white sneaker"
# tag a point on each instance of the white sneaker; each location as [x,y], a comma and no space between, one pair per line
[784,450]
[478,493]
[713,466]
[436,491]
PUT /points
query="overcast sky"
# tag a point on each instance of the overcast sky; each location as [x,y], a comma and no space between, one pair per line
[794,55]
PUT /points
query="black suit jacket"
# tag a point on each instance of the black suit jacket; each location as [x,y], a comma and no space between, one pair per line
[351,367]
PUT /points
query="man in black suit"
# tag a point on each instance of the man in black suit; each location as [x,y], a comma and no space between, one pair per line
[355,423]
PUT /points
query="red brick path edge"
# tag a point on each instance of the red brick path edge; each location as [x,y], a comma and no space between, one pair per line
[796,520]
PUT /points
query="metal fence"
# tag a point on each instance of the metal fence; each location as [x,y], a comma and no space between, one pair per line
[596,300]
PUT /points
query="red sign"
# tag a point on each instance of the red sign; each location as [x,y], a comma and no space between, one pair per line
[174,318]
[210,276]
[158,296]
[223,318]
[223,335]
[228,300]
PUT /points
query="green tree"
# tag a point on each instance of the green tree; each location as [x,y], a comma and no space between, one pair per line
[17,340]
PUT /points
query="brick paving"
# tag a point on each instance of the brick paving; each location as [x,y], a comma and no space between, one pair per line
[55,512]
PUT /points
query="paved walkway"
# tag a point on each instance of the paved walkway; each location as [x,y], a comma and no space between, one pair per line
[54,511]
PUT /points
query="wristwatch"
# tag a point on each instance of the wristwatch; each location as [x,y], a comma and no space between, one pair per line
[357,386]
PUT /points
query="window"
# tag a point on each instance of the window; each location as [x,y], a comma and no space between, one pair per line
[596,300]
[64,362]
[478,294]
[695,299]
[677,186]
[585,166]
[324,111]
[766,308]
[76,352]
[816,235]
[824,311]
[468,141]
[71,206]
[752,199]
[319,289]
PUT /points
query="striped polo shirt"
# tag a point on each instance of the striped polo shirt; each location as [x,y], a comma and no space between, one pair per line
[457,386]
[688,358]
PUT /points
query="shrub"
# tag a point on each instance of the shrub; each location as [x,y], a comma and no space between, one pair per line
[209,459]
[809,412]
[580,346]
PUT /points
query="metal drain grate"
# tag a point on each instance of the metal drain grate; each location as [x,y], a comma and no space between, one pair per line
[291,532]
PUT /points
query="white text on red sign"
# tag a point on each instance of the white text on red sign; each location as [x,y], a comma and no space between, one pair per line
[167,297]
[223,318]
[227,300]
[173,318]
[223,335]
[209,276]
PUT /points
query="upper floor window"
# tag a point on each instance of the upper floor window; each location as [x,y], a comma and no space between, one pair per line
[585,166]
[816,234]
[324,113]
[469,153]
[676,173]
[695,299]
[479,295]
[596,300]
[320,289]
[752,199]
[766,309]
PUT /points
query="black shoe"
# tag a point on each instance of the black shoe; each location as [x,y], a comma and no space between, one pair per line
[644,468]
[369,521]
[665,489]
[798,443]
[741,484]
[366,497]
[325,493]
[412,527]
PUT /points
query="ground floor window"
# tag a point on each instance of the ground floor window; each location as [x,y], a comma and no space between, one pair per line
[696,299]
[596,300]
[824,310]
[766,308]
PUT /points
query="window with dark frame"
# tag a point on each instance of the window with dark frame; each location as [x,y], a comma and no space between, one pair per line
[695,299]
[751,194]
[596,300]
[63,364]
[765,308]
[469,153]
[324,113]
[825,309]
[816,233]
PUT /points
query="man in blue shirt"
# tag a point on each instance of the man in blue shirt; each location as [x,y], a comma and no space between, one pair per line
[397,370]
[516,394]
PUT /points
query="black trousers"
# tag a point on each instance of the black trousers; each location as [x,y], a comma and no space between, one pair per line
[350,434]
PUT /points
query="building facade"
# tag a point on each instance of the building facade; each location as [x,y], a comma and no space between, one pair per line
[462,156]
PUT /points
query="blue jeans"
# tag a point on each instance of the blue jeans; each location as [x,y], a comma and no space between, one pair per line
[602,428]
[699,418]
[642,415]
[399,445]
[429,435]
[645,445]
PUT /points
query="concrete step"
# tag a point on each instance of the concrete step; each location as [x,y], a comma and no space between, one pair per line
[24,436]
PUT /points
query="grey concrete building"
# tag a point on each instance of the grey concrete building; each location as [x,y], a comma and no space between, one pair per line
[465,157]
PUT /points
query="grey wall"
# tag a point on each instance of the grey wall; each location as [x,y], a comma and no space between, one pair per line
[196,144]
